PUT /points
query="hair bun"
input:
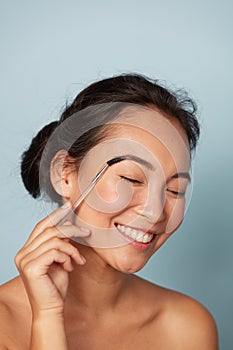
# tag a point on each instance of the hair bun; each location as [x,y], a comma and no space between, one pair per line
[31,159]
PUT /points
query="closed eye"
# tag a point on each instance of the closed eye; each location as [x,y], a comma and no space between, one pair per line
[134,181]
[177,193]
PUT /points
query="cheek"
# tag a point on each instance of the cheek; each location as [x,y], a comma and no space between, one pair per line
[110,198]
[175,215]
[107,192]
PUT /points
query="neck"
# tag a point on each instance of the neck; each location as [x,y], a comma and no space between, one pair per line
[96,286]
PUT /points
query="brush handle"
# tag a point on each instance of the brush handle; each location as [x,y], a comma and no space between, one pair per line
[83,195]
[90,187]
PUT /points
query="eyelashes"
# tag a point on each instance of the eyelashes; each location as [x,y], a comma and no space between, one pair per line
[131,180]
[178,194]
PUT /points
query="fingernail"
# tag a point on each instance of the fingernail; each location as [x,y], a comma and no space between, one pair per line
[66,205]
[67,223]
[83,259]
[85,230]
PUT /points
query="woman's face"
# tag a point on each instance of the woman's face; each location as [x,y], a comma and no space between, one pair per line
[138,202]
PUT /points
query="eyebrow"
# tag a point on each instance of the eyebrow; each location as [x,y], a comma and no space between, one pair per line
[139,160]
[148,165]
[183,175]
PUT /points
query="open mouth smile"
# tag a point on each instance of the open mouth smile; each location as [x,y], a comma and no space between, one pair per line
[136,234]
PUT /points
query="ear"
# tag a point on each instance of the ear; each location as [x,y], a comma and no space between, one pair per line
[59,174]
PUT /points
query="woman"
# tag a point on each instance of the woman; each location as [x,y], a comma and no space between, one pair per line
[76,288]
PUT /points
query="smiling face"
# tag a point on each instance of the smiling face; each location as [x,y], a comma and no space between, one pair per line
[139,201]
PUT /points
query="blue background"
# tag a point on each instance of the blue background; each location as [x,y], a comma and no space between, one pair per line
[50,50]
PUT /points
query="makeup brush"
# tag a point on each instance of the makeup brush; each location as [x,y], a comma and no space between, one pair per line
[90,187]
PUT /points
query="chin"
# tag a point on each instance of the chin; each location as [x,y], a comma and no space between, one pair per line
[129,266]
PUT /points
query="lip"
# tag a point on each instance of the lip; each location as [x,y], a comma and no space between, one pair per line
[138,245]
[151,232]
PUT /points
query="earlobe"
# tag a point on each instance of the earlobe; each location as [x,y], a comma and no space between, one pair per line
[58,174]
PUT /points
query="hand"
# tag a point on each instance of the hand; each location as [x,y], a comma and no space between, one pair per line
[46,260]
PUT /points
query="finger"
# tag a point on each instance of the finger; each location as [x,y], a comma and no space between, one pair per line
[53,243]
[51,220]
[65,231]
[49,233]
[40,266]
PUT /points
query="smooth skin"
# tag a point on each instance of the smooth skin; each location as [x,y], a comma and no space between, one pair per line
[62,300]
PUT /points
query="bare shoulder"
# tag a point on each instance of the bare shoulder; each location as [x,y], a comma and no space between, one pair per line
[7,296]
[14,312]
[183,322]
[190,322]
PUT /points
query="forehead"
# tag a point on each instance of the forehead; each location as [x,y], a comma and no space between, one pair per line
[146,134]
[157,135]
[166,129]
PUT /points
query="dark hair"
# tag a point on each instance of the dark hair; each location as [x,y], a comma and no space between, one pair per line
[125,88]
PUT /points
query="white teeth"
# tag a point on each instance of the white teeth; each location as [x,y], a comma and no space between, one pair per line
[137,235]
[123,228]
[128,231]
[133,234]
[145,238]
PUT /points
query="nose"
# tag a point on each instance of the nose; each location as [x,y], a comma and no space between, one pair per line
[153,210]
